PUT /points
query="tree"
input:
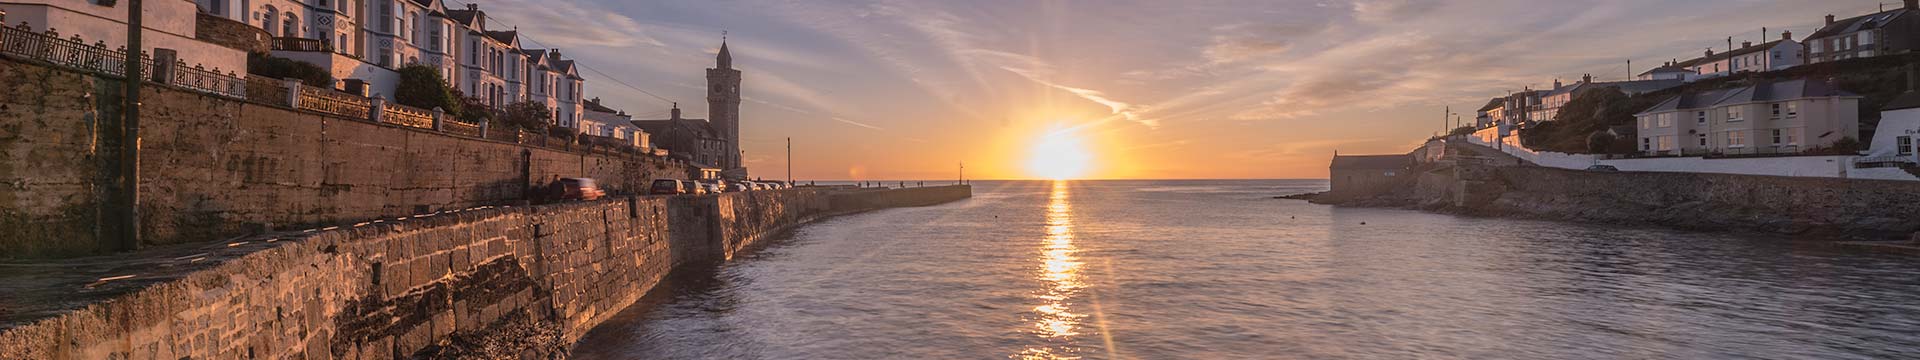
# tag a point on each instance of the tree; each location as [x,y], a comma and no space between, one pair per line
[423,87]
[527,115]
[1600,142]
[472,109]
[284,68]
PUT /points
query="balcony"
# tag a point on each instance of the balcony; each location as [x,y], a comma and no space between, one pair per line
[300,44]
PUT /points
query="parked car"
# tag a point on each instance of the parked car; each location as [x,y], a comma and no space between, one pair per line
[669,187]
[580,189]
[739,186]
[1603,168]
[707,187]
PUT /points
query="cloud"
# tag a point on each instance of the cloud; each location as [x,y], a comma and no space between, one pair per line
[1123,109]
[568,24]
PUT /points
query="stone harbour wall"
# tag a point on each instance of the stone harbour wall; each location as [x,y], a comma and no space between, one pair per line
[216,168]
[519,282]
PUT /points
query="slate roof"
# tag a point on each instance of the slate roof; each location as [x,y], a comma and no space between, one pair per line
[505,37]
[1666,69]
[1631,87]
[1772,91]
[1496,103]
[594,105]
[464,17]
[1860,23]
[1908,100]
[1371,162]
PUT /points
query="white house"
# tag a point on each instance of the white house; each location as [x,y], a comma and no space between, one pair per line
[1553,100]
[1893,141]
[1775,55]
[1770,118]
[167,24]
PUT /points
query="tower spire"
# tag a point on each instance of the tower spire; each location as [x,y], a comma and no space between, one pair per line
[725,59]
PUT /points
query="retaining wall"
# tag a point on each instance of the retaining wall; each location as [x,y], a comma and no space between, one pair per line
[498,282]
[215,168]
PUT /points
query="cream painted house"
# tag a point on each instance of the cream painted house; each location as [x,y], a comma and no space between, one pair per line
[1772,118]
[168,24]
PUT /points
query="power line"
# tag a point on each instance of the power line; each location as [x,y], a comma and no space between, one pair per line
[581,65]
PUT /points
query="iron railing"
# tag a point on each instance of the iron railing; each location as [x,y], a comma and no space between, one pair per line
[333,102]
[407,116]
[74,53]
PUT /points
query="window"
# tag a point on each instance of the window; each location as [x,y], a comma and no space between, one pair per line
[386,16]
[1793,110]
[1906,145]
[291,27]
[1666,143]
[1646,122]
[1735,114]
[1736,139]
[1666,120]
[1793,136]
[219,7]
[1778,111]
[1700,117]
[1703,140]
[1778,136]
[324,3]
[1776,54]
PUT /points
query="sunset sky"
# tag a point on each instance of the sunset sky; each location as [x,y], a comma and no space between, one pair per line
[906,89]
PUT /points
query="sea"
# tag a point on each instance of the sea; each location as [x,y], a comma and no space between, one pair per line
[1224,270]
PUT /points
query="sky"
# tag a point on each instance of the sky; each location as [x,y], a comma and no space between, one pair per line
[1154,89]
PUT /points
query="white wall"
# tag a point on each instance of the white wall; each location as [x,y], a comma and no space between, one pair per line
[1798,166]
[1894,124]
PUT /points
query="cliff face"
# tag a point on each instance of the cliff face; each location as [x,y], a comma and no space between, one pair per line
[1811,207]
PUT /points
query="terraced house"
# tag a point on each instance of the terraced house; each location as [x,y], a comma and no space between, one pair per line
[1782,117]
[363,42]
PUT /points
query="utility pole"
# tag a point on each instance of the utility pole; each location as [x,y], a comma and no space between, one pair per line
[126,204]
[1629,69]
[1445,117]
[963,173]
[789,161]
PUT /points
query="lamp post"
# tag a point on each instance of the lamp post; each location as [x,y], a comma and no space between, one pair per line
[127,224]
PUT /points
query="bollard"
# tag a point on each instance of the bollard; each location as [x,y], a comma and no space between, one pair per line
[378,111]
[439,117]
[293,92]
[166,62]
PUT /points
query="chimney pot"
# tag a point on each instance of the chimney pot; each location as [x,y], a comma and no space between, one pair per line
[1829,19]
[1786,35]
[1588,78]
[1709,52]
[472,7]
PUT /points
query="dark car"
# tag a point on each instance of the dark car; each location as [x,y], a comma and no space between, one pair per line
[580,189]
[668,187]
[1603,168]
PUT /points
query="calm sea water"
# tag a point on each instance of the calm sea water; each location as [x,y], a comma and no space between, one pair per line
[1217,269]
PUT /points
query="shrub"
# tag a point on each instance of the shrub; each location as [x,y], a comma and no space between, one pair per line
[284,68]
[527,115]
[423,87]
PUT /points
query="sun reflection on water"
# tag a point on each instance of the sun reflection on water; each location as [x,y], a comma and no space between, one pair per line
[1060,268]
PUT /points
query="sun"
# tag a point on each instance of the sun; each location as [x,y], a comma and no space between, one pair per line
[1059,155]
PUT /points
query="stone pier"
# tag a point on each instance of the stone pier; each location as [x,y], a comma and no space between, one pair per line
[488,282]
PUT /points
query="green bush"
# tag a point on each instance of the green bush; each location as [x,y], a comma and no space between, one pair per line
[423,87]
[284,68]
[527,115]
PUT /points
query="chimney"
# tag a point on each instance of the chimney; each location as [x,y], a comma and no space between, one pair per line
[1556,83]
[473,7]
[1913,4]
[1588,78]
[1746,44]
[1786,35]
[1829,19]
[676,111]
[1709,52]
